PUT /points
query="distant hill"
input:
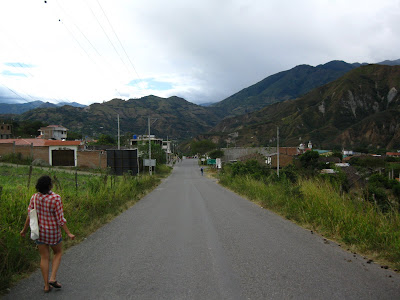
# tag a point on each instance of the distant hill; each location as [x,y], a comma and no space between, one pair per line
[361,108]
[19,108]
[286,85]
[172,117]
[390,62]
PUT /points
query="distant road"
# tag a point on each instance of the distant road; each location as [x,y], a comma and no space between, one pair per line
[192,239]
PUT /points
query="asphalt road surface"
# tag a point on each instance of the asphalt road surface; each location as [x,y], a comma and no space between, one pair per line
[192,239]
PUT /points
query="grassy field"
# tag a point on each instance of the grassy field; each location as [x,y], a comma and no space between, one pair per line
[317,205]
[89,202]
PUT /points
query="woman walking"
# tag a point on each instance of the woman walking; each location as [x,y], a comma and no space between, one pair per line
[51,219]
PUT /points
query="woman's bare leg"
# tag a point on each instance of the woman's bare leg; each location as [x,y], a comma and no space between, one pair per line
[57,250]
[44,264]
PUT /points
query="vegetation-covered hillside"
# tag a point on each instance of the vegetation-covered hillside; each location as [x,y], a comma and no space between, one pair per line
[176,117]
[360,108]
[282,86]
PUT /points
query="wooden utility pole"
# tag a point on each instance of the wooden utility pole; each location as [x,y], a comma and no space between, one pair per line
[118,134]
[277,149]
[150,167]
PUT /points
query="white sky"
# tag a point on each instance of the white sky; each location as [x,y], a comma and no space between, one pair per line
[204,51]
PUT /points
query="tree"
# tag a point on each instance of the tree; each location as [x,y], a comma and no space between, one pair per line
[71,136]
[202,147]
[217,153]
[157,152]
[27,128]
[309,160]
[106,139]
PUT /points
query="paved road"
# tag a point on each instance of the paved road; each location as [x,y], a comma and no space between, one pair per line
[192,239]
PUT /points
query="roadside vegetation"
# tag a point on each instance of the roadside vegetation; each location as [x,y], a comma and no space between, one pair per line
[365,218]
[89,202]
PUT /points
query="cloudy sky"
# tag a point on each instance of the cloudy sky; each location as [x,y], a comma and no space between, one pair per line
[204,51]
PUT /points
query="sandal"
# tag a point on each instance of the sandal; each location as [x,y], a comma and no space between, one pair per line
[55,284]
[47,291]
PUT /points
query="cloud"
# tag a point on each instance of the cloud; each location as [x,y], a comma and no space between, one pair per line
[10,73]
[152,84]
[18,65]
[204,52]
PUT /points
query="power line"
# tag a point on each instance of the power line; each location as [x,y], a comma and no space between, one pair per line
[15,93]
[108,38]
[123,48]
[89,42]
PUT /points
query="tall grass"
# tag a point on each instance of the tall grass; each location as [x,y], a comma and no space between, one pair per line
[316,204]
[96,201]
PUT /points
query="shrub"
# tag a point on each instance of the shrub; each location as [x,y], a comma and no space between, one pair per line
[250,167]
[218,153]
[309,160]
[16,158]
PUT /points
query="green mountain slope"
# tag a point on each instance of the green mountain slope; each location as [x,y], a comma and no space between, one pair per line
[282,86]
[176,117]
[360,108]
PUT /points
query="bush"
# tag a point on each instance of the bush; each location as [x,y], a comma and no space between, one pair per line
[377,195]
[367,162]
[16,158]
[309,160]
[290,173]
[250,167]
[218,153]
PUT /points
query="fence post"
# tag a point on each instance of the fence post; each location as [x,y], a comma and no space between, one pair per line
[30,176]
[76,180]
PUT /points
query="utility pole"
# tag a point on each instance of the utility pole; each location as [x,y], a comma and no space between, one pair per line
[277,149]
[150,167]
[118,135]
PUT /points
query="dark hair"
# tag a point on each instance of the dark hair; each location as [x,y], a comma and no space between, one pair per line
[44,184]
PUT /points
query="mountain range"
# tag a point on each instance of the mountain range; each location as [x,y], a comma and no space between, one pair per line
[286,85]
[328,104]
[361,108]
[19,108]
[172,117]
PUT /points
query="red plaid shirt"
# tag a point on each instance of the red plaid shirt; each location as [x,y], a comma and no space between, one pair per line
[50,215]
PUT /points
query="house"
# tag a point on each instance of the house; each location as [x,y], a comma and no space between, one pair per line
[52,152]
[53,132]
[5,131]
[136,140]
[393,154]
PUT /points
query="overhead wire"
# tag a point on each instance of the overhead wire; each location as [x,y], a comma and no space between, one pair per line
[23,66]
[119,41]
[66,20]
[108,38]
[103,60]
[14,92]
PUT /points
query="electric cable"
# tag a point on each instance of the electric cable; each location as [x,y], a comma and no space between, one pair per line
[108,38]
[123,48]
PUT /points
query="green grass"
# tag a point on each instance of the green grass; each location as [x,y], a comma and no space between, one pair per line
[317,205]
[97,200]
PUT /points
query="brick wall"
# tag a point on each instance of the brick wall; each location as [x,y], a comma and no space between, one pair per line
[26,151]
[92,159]
[86,159]
[6,149]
